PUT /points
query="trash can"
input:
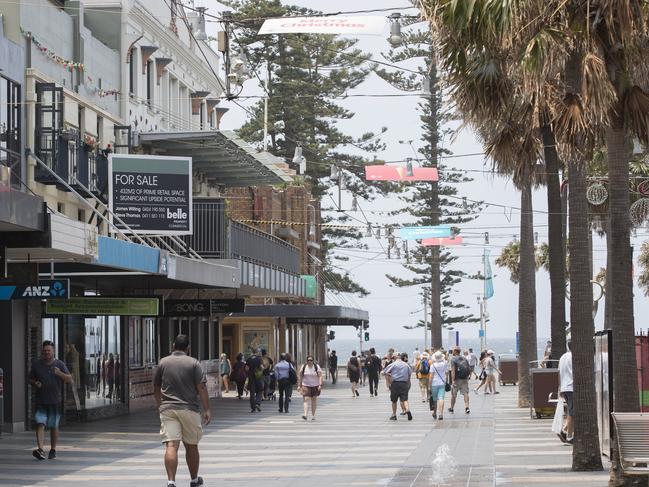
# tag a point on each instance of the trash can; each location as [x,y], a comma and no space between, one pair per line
[2,400]
[508,365]
[543,382]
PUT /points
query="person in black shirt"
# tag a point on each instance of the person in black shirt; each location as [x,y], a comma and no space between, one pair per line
[373,364]
[255,380]
[333,366]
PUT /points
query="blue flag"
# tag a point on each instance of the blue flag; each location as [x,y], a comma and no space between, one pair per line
[488,276]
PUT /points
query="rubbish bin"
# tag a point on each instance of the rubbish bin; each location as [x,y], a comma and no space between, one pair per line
[2,400]
[543,382]
[508,365]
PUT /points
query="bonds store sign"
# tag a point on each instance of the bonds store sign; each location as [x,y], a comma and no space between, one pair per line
[203,307]
[151,194]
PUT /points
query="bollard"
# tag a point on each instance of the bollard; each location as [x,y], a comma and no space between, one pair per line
[2,401]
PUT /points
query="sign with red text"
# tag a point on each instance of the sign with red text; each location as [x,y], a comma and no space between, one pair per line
[441,242]
[398,173]
[335,24]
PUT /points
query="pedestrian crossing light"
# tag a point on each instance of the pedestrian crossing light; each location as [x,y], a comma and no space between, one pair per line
[367,336]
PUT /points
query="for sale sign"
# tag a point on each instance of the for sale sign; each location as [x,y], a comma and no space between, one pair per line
[151,194]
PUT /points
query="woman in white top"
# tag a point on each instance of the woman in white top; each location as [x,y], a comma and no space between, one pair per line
[309,385]
[438,371]
[491,370]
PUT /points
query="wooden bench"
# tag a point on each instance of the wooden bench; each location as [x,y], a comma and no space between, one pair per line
[633,442]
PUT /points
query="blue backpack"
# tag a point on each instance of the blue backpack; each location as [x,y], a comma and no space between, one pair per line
[424,367]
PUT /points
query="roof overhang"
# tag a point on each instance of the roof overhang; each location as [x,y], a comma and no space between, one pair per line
[308,314]
[222,156]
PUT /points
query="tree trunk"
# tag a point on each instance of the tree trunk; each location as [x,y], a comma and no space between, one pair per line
[436,301]
[556,250]
[585,453]
[526,295]
[620,267]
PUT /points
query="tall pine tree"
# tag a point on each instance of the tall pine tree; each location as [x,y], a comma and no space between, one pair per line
[433,203]
[306,75]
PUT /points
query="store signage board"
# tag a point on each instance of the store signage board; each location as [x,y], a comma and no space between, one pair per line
[151,194]
[418,233]
[443,242]
[203,307]
[104,306]
[46,288]
[322,321]
[335,24]
[399,173]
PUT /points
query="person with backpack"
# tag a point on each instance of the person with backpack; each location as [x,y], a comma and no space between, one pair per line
[354,372]
[286,379]
[255,380]
[460,372]
[309,385]
[373,365]
[422,369]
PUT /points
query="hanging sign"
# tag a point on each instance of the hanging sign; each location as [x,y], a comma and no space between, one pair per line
[445,242]
[100,306]
[398,173]
[151,194]
[334,24]
[46,288]
[417,233]
[203,307]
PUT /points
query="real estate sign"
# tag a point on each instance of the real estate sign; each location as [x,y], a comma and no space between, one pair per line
[151,194]
[104,306]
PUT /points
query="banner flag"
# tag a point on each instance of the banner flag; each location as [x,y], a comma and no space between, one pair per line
[445,242]
[489,278]
[398,173]
[417,233]
[338,24]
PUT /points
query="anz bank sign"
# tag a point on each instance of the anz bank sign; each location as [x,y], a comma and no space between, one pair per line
[46,288]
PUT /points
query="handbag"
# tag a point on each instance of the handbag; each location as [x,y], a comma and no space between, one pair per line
[447,386]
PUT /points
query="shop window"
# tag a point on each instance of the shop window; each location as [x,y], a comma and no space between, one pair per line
[51,332]
[150,342]
[102,372]
[134,341]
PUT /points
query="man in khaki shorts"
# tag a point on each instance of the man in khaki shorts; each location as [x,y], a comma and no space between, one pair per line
[178,384]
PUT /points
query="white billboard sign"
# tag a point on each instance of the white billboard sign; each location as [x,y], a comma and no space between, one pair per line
[369,25]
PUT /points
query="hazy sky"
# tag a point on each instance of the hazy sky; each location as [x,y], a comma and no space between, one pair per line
[390,307]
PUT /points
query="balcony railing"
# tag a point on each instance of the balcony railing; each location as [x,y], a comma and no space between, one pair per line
[217,237]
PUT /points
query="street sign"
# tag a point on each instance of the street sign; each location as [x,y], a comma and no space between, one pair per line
[151,194]
[203,307]
[417,233]
[101,306]
[399,173]
[46,288]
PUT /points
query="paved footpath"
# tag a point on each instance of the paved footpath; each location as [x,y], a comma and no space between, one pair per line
[352,443]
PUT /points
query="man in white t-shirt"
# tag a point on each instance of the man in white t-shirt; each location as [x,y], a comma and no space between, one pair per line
[565,389]
[473,362]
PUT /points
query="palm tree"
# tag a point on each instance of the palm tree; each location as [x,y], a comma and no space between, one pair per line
[491,39]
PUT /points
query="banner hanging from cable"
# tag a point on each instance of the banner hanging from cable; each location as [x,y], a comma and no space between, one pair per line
[441,242]
[338,24]
[400,173]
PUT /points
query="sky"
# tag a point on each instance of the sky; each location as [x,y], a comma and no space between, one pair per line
[392,308]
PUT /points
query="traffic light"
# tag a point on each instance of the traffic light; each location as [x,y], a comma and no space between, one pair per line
[367,336]
[332,335]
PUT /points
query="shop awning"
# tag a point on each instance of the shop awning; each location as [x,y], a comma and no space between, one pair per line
[308,314]
[222,156]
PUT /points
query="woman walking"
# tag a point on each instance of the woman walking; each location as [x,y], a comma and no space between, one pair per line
[239,374]
[310,385]
[490,373]
[283,370]
[354,373]
[225,369]
[438,375]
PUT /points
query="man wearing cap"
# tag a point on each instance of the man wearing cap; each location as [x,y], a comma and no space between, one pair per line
[397,374]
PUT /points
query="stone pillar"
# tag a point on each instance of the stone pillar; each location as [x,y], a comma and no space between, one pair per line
[282,334]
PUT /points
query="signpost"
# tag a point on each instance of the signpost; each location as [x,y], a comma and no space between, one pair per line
[46,288]
[151,194]
[101,306]
[417,233]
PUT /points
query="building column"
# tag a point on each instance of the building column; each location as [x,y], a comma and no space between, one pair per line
[282,335]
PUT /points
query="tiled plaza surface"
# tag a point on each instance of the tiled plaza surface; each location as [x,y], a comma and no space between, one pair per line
[352,443]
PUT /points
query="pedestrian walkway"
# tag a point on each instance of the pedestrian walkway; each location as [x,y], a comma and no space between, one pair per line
[352,443]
